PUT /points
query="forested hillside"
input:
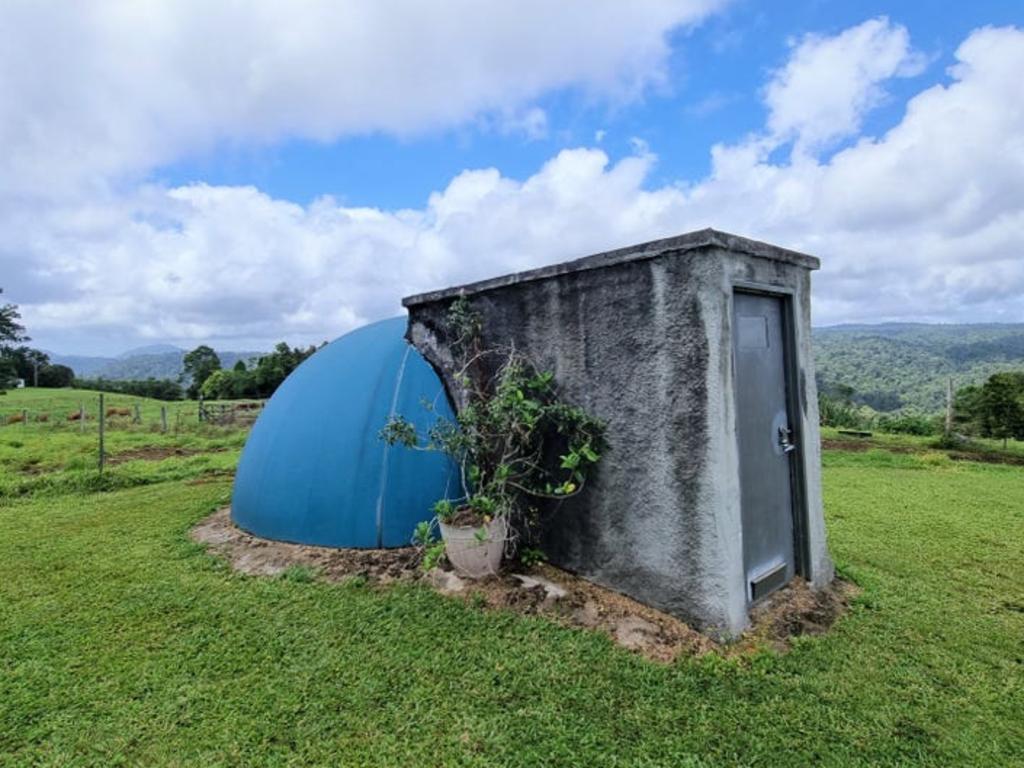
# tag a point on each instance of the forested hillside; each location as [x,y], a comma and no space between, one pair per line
[889,366]
[906,365]
[138,365]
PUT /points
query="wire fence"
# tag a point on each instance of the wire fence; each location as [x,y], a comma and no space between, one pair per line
[96,417]
[114,411]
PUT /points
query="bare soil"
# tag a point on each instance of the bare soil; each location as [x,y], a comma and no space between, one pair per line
[151,453]
[856,445]
[987,458]
[568,599]
[263,557]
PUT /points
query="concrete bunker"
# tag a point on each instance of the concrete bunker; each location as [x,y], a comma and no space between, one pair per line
[696,351]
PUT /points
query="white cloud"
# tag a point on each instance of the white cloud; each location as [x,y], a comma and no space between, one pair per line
[90,91]
[829,83]
[924,222]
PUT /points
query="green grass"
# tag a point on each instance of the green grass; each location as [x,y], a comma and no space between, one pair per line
[57,456]
[1014,449]
[122,643]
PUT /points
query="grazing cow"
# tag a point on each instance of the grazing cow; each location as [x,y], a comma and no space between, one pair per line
[119,412]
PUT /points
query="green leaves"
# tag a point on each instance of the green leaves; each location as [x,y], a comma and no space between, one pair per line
[513,437]
[399,430]
[444,509]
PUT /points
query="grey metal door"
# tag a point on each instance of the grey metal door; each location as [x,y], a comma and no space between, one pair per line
[765,442]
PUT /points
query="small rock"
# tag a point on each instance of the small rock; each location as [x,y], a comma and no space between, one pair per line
[446,582]
[551,590]
[633,632]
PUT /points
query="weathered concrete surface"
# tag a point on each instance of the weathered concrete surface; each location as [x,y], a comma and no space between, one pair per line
[642,338]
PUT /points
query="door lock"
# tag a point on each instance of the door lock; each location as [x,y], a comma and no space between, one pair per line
[785,439]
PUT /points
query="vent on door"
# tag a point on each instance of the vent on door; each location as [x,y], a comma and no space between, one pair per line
[768,582]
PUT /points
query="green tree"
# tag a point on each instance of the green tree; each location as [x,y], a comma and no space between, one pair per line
[199,365]
[160,389]
[1002,406]
[26,361]
[55,376]
[272,369]
[967,409]
[228,385]
[8,373]
[11,332]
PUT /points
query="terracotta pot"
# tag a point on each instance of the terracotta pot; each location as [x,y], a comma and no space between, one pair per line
[475,555]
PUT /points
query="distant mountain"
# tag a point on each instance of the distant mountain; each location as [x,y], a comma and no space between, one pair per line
[84,366]
[152,349]
[890,366]
[158,361]
[907,365]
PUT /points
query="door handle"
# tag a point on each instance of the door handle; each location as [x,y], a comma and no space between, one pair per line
[785,440]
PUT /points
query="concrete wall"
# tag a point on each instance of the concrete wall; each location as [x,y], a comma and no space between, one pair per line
[642,339]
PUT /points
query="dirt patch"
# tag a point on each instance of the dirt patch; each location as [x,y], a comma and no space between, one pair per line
[855,446]
[151,453]
[263,557]
[570,600]
[212,476]
[797,610]
[987,458]
[859,446]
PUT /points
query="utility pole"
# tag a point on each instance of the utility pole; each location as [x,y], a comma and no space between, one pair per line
[949,407]
[35,374]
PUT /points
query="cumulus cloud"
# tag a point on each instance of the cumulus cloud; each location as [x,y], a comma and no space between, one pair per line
[829,83]
[924,222]
[91,91]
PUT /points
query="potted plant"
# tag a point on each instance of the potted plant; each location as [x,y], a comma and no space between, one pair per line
[514,441]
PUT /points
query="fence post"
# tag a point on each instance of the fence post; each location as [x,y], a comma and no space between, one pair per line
[163,419]
[103,421]
[81,417]
[137,418]
[201,412]
[24,417]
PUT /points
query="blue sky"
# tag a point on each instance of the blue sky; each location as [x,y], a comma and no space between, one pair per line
[716,73]
[241,174]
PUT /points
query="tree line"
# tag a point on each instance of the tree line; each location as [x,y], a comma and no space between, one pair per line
[19,361]
[994,409]
[258,380]
[202,374]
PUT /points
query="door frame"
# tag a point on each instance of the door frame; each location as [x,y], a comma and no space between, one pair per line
[795,395]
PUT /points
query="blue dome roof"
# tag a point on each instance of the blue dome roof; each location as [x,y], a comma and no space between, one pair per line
[314,470]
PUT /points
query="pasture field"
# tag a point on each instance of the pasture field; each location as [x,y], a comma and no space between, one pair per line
[124,643]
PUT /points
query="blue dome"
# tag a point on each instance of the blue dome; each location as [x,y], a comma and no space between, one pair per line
[314,470]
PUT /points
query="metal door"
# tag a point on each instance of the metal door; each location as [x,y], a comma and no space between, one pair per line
[766,442]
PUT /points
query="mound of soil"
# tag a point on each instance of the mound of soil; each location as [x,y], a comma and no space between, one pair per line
[792,611]
[263,557]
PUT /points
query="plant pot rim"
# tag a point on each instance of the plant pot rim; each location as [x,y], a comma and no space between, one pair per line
[497,519]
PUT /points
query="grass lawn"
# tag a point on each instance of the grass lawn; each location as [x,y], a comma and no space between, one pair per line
[122,643]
